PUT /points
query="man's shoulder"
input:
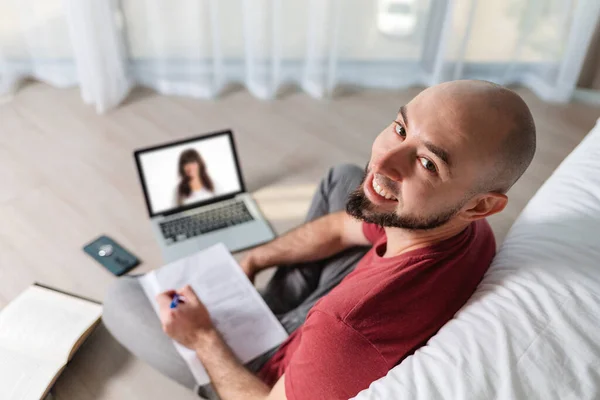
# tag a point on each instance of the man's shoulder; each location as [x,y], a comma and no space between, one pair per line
[340,303]
[483,231]
[482,247]
[359,299]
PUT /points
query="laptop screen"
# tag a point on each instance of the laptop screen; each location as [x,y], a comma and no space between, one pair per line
[188,173]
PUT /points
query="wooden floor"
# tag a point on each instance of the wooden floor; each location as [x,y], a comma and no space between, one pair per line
[68,175]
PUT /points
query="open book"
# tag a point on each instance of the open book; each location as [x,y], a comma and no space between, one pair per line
[40,331]
[239,313]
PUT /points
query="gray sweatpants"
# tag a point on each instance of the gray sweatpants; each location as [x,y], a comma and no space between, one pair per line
[290,294]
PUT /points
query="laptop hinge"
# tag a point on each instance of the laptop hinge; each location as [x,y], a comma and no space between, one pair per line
[198,205]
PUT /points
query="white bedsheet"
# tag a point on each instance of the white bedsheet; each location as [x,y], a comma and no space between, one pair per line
[532,329]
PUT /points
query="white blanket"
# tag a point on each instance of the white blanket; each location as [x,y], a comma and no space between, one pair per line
[532,329]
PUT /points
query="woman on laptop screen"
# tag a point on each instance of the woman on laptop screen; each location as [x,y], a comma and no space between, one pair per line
[194,182]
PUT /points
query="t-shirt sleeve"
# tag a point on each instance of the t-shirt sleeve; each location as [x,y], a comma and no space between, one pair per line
[372,232]
[333,361]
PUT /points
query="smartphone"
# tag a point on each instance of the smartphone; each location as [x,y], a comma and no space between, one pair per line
[111,255]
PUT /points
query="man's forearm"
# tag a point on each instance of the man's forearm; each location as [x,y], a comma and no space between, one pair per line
[312,241]
[228,376]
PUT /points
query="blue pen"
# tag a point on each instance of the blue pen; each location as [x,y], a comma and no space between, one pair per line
[176,300]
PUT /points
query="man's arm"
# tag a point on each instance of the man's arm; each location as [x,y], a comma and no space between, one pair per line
[228,376]
[189,324]
[312,241]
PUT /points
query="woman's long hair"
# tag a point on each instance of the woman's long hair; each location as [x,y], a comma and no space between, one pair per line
[187,157]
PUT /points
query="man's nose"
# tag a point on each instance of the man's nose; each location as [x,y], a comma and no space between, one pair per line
[393,163]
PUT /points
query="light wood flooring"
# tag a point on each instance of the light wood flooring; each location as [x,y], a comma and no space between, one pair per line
[67,175]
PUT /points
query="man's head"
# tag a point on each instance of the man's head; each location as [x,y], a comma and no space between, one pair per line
[450,156]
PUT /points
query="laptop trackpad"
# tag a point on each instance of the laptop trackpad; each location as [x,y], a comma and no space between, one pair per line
[235,238]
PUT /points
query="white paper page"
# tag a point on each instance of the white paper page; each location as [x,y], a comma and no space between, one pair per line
[237,310]
[45,324]
[23,377]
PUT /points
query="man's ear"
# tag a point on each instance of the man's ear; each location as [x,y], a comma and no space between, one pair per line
[484,205]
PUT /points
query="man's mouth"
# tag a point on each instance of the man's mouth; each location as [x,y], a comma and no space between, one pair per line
[378,193]
[381,191]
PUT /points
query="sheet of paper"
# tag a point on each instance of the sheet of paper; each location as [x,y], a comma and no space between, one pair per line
[237,310]
[45,324]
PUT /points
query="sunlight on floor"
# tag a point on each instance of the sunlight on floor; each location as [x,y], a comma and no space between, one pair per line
[285,202]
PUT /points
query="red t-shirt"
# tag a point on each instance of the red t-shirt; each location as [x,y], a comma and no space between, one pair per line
[379,314]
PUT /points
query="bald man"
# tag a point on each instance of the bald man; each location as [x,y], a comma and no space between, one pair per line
[386,258]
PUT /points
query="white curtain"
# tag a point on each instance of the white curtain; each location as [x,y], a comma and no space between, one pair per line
[200,47]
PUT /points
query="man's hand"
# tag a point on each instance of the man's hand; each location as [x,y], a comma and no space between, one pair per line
[189,322]
[249,267]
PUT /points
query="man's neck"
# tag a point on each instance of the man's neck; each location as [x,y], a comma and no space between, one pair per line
[402,240]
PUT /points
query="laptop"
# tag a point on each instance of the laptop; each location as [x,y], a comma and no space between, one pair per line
[196,196]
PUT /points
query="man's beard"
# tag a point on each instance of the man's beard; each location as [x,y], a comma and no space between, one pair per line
[359,206]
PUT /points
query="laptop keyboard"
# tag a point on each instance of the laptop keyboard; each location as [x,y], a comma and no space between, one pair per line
[230,214]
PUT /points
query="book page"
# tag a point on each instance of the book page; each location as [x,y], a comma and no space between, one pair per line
[23,377]
[45,324]
[237,310]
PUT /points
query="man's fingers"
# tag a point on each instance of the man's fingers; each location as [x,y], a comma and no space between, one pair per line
[164,299]
[188,293]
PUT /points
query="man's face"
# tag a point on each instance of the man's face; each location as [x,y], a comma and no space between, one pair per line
[424,166]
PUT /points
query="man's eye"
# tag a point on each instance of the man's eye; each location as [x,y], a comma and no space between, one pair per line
[429,166]
[400,130]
